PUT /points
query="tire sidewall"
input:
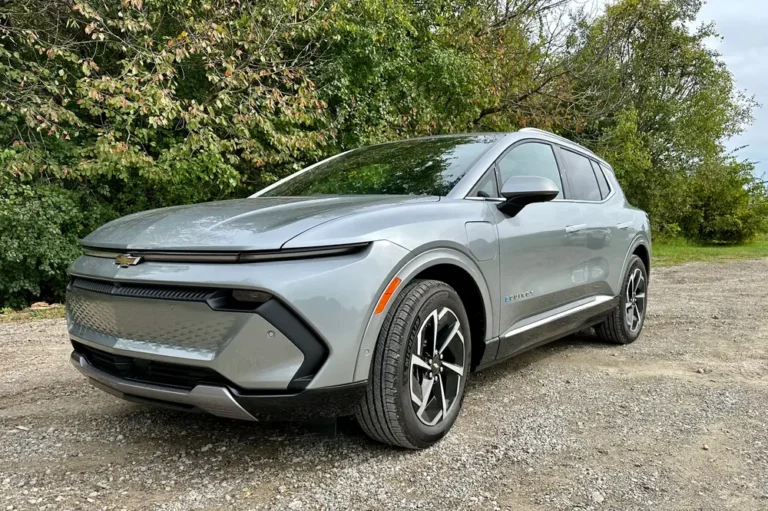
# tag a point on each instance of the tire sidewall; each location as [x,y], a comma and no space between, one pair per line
[420,433]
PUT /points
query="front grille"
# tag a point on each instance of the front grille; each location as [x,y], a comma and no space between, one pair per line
[177,325]
[150,371]
[158,292]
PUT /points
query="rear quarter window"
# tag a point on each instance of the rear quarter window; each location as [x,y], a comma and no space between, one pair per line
[581,177]
[602,182]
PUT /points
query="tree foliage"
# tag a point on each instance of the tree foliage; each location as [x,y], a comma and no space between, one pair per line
[672,106]
[113,106]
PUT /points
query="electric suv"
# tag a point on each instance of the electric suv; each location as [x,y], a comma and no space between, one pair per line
[371,283]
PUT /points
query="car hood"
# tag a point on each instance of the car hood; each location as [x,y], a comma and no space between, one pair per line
[260,223]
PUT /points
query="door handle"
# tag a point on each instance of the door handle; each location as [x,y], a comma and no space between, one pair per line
[575,228]
[625,225]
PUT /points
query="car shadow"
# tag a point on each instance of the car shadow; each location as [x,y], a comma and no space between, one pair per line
[162,428]
[586,340]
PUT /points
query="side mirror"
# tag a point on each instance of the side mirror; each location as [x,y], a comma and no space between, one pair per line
[519,191]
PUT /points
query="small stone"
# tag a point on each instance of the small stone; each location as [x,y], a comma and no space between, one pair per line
[120,438]
[23,428]
[296,504]
[700,370]
[705,447]
[597,497]
[205,447]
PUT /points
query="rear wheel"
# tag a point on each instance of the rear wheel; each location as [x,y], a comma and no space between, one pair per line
[419,368]
[626,321]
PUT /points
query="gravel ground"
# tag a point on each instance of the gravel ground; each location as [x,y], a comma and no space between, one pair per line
[677,420]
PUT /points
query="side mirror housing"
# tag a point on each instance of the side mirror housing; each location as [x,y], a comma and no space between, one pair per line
[519,191]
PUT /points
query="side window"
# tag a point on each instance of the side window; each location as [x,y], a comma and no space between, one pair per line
[531,159]
[607,171]
[486,187]
[581,177]
[605,189]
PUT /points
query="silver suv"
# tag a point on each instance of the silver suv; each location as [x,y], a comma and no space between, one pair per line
[371,283]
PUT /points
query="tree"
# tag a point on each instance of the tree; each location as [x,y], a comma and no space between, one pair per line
[113,106]
[672,104]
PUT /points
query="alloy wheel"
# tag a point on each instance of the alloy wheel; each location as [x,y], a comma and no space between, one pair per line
[635,304]
[437,366]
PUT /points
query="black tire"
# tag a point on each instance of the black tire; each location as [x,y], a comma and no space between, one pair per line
[387,412]
[616,328]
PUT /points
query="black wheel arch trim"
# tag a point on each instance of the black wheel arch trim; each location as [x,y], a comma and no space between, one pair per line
[641,239]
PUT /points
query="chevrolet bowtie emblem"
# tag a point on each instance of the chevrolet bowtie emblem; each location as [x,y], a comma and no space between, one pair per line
[126,260]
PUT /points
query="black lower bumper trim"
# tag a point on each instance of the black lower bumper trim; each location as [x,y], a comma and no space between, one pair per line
[337,401]
[314,351]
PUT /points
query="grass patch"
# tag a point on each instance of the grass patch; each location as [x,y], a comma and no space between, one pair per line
[677,251]
[11,316]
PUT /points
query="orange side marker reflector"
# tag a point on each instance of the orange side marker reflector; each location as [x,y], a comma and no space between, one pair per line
[387,295]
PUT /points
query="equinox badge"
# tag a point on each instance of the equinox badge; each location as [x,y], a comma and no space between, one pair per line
[126,260]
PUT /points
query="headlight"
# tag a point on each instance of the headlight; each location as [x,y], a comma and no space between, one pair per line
[227,257]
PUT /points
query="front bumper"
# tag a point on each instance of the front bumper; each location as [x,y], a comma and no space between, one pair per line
[224,401]
[307,337]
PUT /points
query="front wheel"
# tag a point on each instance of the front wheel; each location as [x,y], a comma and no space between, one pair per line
[419,368]
[626,321]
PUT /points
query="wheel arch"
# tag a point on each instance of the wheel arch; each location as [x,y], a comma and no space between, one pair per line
[455,269]
[640,246]
[644,253]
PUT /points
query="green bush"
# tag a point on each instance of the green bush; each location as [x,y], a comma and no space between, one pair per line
[40,228]
[726,204]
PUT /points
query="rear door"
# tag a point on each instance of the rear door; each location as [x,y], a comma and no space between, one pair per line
[589,189]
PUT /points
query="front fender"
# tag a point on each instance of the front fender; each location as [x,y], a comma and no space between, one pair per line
[407,273]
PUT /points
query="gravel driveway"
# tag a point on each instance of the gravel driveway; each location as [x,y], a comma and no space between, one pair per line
[678,420]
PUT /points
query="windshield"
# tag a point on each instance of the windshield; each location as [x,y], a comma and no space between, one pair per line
[430,166]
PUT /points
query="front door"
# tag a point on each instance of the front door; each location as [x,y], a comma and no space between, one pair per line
[542,251]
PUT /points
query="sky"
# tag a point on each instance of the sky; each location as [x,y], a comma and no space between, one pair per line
[744,48]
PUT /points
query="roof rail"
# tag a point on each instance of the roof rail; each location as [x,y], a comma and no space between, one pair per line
[558,137]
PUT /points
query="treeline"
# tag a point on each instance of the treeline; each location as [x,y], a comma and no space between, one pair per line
[108,107]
